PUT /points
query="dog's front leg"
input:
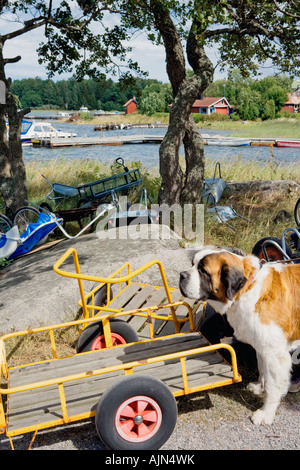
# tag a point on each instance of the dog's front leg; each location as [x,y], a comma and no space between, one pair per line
[276,371]
[257,388]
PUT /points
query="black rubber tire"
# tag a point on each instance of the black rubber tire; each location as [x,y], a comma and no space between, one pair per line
[24,216]
[297,213]
[214,327]
[275,254]
[131,387]
[45,205]
[5,224]
[100,299]
[84,203]
[94,331]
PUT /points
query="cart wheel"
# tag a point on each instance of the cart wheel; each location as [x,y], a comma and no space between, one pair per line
[273,253]
[84,203]
[46,206]
[92,337]
[137,413]
[100,299]
[24,216]
[5,224]
[84,220]
[297,213]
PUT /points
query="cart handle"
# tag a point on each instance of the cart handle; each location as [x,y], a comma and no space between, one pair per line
[80,277]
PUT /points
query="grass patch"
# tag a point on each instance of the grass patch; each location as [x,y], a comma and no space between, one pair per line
[275,128]
[260,208]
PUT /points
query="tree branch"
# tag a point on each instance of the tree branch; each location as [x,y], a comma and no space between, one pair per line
[285,12]
[12,60]
[29,26]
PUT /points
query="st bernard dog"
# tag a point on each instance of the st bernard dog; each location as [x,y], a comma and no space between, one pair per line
[262,304]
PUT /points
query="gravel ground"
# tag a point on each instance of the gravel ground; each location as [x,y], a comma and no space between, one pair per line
[215,420]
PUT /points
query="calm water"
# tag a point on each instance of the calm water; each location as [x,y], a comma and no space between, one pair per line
[148,154]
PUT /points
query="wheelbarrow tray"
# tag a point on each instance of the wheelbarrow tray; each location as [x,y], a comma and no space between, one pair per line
[41,407]
[102,188]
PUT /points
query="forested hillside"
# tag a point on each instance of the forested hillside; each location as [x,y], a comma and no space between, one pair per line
[260,98]
[70,94]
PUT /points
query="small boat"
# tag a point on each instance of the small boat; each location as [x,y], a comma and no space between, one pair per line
[288,143]
[227,142]
[32,130]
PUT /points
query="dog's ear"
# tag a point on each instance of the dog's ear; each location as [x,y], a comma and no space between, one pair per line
[233,279]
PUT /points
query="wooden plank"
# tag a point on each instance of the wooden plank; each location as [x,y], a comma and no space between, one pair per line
[119,301]
[43,405]
[139,323]
[162,324]
[81,363]
[138,300]
[83,396]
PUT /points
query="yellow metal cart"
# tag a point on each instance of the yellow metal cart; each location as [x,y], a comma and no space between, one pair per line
[126,377]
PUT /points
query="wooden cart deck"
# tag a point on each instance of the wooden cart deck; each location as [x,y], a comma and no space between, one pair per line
[42,405]
[137,296]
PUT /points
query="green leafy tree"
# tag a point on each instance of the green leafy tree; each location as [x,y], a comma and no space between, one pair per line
[246,33]
[70,45]
[270,110]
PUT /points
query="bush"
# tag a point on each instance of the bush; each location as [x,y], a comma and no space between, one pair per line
[210,117]
[85,116]
[285,114]
[198,117]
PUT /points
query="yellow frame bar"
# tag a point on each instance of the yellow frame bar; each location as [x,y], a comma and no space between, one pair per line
[127,368]
[110,280]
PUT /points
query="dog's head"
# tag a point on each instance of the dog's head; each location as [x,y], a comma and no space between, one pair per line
[216,275]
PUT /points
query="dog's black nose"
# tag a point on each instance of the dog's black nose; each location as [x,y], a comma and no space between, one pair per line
[183,275]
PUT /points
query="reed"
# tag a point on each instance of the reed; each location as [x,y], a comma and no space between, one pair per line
[261,208]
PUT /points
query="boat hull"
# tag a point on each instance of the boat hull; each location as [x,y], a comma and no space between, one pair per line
[288,143]
[227,143]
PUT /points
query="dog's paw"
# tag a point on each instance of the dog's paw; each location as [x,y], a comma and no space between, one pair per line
[261,417]
[256,388]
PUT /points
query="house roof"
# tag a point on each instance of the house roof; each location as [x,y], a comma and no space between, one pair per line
[210,101]
[130,101]
[292,99]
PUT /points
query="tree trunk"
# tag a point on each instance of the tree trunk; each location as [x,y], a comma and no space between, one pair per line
[13,186]
[176,186]
[193,142]
[18,181]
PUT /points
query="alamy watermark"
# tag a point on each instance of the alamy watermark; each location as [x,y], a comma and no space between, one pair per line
[152,223]
[2,92]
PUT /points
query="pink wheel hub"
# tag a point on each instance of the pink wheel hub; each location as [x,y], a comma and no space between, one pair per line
[138,419]
[99,342]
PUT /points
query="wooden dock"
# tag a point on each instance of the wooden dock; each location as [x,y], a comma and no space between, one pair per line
[113,127]
[86,141]
[145,139]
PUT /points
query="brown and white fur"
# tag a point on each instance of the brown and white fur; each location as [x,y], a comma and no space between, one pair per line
[262,304]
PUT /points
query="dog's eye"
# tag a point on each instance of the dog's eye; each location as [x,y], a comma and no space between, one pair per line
[202,270]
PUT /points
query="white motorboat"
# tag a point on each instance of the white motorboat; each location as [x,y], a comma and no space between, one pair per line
[32,130]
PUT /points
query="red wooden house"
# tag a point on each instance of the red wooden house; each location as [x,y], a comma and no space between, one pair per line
[130,106]
[211,105]
[292,105]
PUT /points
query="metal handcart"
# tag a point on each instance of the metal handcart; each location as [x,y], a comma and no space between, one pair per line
[88,196]
[129,387]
